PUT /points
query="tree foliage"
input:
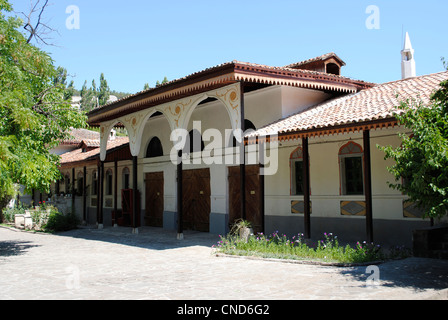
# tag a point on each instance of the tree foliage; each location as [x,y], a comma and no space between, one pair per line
[35,110]
[421,162]
[94,97]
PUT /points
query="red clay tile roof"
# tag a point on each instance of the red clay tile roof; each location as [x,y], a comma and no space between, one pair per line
[78,135]
[320,58]
[371,104]
[229,72]
[79,156]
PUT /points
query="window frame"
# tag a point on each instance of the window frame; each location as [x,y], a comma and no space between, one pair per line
[126,173]
[94,191]
[109,182]
[155,144]
[350,150]
[295,157]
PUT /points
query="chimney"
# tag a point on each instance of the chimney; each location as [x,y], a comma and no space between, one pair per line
[408,69]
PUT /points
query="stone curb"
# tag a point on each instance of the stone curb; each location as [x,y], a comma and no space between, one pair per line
[307,262]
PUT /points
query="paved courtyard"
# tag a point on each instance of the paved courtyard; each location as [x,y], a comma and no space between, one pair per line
[115,264]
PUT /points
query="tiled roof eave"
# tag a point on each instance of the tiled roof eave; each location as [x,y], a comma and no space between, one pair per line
[287,135]
[223,75]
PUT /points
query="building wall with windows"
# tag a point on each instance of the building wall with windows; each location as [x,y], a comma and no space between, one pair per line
[336,204]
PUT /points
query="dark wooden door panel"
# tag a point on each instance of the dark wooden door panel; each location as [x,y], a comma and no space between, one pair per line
[253,194]
[154,199]
[196,199]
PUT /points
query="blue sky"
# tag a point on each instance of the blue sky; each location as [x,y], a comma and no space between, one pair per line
[136,42]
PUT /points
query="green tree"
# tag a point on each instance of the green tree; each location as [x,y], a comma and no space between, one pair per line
[61,80]
[34,112]
[165,80]
[421,162]
[103,91]
[88,97]
[94,97]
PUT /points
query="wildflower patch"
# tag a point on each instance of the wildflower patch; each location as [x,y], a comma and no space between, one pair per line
[325,251]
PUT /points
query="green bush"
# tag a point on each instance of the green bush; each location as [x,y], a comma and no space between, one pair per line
[57,222]
[10,213]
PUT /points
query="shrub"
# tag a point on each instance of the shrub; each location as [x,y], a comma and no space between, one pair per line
[57,222]
[10,213]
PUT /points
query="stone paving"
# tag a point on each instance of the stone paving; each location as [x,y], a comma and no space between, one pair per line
[114,264]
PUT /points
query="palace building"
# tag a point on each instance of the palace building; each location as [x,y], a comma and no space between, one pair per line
[311,163]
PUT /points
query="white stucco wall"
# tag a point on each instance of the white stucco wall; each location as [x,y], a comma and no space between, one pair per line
[325,178]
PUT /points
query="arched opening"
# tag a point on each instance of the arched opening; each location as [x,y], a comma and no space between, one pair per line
[194,143]
[80,184]
[126,178]
[248,126]
[351,167]
[109,182]
[154,148]
[94,183]
[296,168]
[209,125]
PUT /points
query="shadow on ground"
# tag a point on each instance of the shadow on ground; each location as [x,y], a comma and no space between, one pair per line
[14,248]
[148,237]
[416,273]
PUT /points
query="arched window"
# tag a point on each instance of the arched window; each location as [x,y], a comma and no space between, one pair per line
[296,166]
[94,182]
[154,148]
[126,177]
[194,143]
[351,169]
[109,181]
[68,185]
[248,125]
[80,184]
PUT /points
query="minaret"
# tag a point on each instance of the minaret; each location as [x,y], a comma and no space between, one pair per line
[408,69]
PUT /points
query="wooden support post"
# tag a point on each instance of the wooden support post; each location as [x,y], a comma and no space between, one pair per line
[84,196]
[73,189]
[306,188]
[180,230]
[368,185]
[261,151]
[101,195]
[115,191]
[135,207]
[98,200]
[242,156]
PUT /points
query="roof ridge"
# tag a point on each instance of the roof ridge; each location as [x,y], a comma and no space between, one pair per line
[408,79]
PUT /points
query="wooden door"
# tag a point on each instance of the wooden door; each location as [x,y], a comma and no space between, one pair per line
[253,194]
[154,199]
[196,200]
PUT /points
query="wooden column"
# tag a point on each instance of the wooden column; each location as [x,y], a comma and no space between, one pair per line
[135,206]
[84,196]
[98,200]
[73,189]
[306,188]
[242,156]
[115,191]
[261,150]
[101,195]
[179,198]
[368,185]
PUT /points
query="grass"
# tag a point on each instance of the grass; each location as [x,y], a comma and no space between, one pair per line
[327,250]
